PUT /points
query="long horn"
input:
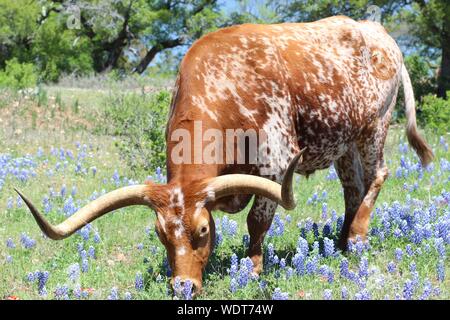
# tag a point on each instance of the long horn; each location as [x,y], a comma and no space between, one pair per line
[123,197]
[232,184]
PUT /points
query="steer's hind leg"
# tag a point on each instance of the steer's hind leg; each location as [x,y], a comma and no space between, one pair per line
[259,220]
[350,172]
[360,224]
[375,173]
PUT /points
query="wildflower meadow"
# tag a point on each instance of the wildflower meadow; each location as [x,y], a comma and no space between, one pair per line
[120,256]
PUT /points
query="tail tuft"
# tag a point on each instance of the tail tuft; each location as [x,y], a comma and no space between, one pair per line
[416,141]
[419,144]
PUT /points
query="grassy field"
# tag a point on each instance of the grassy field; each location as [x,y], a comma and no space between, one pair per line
[52,154]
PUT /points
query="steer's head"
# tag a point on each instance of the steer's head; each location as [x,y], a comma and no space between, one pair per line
[186,228]
[184,222]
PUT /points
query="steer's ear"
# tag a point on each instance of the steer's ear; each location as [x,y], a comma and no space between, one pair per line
[158,195]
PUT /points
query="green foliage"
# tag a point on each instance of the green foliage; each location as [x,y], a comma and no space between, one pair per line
[59,50]
[18,75]
[423,81]
[139,120]
[421,74]
[435,113]
[17,26]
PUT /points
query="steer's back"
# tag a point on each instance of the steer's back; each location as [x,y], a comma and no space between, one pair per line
[314,84]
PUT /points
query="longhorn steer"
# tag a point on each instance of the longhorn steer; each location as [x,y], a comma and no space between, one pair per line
[329,86]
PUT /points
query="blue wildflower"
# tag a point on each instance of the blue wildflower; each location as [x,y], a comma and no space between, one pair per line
[278,295]
[139,282]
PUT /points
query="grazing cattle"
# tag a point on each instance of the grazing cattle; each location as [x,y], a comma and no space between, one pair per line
[322,92]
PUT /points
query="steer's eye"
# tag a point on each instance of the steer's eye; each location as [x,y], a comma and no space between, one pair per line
[203,231]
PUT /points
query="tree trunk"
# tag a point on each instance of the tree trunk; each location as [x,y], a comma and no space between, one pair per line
[444,74]
[151,54]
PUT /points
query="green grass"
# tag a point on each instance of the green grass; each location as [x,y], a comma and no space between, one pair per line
[118,258]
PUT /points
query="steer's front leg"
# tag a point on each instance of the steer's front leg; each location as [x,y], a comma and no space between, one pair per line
[259,220]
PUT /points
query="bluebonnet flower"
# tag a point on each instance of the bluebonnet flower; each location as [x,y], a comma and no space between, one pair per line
[91,252]
[283,263]
[139,282]
[408,289]
[10,243]
[330,276]
[187,290]
[246,240]
[308,225]
[343,269]
[315,229]
[302,246]
[31,277]
[233,285]
[244,272]
[391,267]
[278,295]
[311,265]
[10,203]
[339,223]
[324,210]
[327,294]
[409,250]
[26,241]
[62,293]
[289,272]
[140,246]
[275,260]
[328,247]
[332,174]
[63,191]
[83,254]
[94,171]
[84,265]
[114,295]
[323,270]
[363,295]
[96,237]
[440,268]
[439,246]
[298,262]
[9,259]
[116,178]
[74,191]
[326,231]
[85,232]
[19,202]
[288,218]
[344,293]
[427,290]
[74,272]
[262,284]
[127,296]
[42,278]
[277,226]
[398,254]
[363,267]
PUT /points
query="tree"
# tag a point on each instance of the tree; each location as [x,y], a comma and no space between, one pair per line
[124,31]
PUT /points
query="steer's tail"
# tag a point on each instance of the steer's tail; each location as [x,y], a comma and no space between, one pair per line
[416,141]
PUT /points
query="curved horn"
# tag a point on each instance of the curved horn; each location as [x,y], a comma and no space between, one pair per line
[123,197]
[232,184]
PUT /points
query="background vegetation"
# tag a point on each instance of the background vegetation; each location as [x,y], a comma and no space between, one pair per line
[84,97]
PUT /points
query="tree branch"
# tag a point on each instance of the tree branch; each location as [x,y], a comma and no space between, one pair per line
[168,44]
